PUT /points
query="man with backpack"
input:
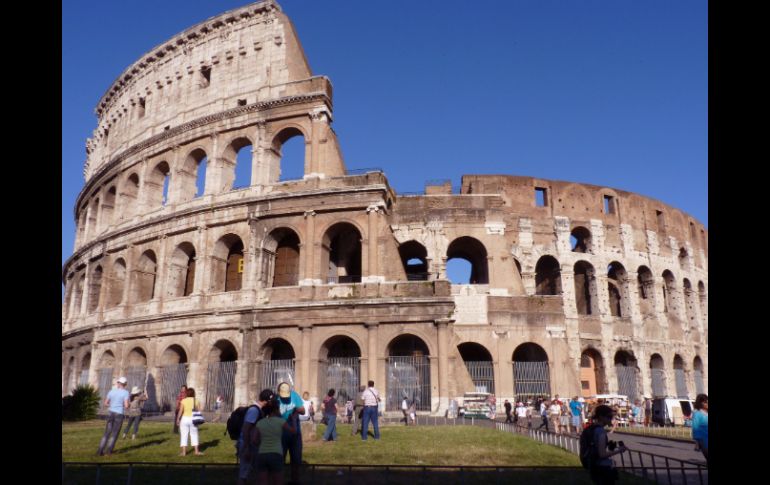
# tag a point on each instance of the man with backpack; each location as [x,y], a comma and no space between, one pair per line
[595,449]
[245,419]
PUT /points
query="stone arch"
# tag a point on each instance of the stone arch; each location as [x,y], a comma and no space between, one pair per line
[646,289]
[531,372]
[684,257]
[339,346]
[281,258]
[690,302]
[697,368]
[220,376]
[658,375]
[129,196]
[580,240]
[627,372]
[680,377]
[94,288]
[547,276]
[414,258]
[145,275]
[669,292]
[93,218]
[117,283]
[77,295]
[473,251]
[617,280]
[173,354]
[278,360]
[227,264]
[105,369]
[586,291]
[172,374]
[340,367]
[136,368]
[181,270]
[136,357]
[276,164]
[85,366]
[194,169]
[69,376]
[108,206]
[703,301]
[408,372]
[156,185]
[479,363]
[233,176]
[592,373]
[341,253]
[277,348]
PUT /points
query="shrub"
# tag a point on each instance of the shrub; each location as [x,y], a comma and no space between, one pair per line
[81,405]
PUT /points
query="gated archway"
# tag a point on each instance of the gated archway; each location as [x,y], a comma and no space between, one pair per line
[658,376]
[478,361]
[84,366]
[173,375]
[220,379]
[679,378]
[340,368]
[106,367]
[277,364]
[136,370]
[627,372]
[531,375]
[408,373]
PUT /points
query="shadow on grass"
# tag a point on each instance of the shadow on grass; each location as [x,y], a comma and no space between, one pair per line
[208,444]
[138,446]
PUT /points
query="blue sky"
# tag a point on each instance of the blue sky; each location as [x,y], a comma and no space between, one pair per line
[612,93]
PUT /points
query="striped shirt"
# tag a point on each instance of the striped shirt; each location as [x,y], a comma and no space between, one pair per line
[371,396]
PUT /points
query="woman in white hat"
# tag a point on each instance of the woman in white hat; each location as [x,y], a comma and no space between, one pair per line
[135,411]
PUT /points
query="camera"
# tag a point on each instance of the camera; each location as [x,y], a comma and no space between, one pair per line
[612,445]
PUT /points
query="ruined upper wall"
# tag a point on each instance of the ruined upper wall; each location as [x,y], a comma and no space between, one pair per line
[243,56]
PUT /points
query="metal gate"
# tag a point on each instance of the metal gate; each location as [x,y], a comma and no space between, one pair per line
[408,377]
[531,379]
[273,372]
[343,374]
[658,377]
[136,376]
[172,378]
[105,382]
[221,380]
[627,381]
[681,384]
[482,374]
[83,377]
[699,388]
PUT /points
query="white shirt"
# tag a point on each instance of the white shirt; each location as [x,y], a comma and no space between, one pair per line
[404,405]
[371,396]
[521,411]
[555,409]
[306,416]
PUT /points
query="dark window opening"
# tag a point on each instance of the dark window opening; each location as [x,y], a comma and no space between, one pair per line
[585,385]
[661,221]
[541,199]
[241,102]
[473,252]
[205,78]
[609,204]
[414,258]
[580,240]
[547,276]
[141,108]
[167,127]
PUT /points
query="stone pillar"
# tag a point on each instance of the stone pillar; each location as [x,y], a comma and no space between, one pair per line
[568,293]
[128,280]
[603,297]
[561,227]
[242,392]
[196,365]
[161,272]
[174,183]
[85,296]
[304,359]
[251,280]
[442,325]
[213,168]
[597,236]
[201,279]
[372,273]
[372,330]
[631,290]
[308,253]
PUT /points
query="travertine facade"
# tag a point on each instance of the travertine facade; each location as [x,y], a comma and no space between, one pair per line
[307,273]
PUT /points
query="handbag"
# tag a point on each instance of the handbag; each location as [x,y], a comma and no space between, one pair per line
[197,418]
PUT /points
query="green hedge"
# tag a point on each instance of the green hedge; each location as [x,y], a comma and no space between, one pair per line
[81,405]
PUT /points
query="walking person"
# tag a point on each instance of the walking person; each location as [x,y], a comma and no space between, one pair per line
[371,398]
[291,408]
[185,422]
[268,439]
[523,412]
[117,402]
[544,414]
[358,411]
[554,412]
[600,462]
[647,410]
[507,406]
[134,413]
[330,413]
[576,412]
[182,395]
[700,424]
[405,410]
[413,412]
[564,419]
[218,409]
[349,411]
[308,405]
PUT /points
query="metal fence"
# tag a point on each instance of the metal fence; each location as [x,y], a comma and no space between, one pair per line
[699,387]
[530,380]
[136,376]
[482,374]
[627,381]
[408,377]
[104,382]
[681,384]
[83,377]
[273,372]
[172,377]
[343,374]
[221,381]
[658,377]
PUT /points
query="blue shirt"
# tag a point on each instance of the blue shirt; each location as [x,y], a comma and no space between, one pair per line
[575,407]
[117,397]
[252,415]
[289,404]
[700,427]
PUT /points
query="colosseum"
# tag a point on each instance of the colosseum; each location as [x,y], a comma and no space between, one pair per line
[335,278]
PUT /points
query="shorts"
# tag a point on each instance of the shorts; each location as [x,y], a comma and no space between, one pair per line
[270,462]
[565,420]
[576,421]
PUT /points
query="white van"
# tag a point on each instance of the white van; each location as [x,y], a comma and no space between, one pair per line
[672,411]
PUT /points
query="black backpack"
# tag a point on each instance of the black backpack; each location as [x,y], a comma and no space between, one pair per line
[235,421]
[588,447]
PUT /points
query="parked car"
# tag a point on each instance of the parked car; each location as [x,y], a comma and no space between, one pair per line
[671,411]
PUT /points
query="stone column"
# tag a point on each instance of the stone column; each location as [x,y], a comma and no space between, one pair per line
[161,272]
[195,365]
[631,289]
[308,254]
[85,296]
[372,330]
[372,275]
[241,395]
[561,227]
[304,359]
[213,168]
[442,325]
[568,293]
[128,280]
[174,184]
[201,263]
[253,269]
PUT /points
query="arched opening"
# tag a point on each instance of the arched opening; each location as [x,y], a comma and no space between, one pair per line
[289,155]
[94,289]
[340,367]
[227,264]
[237,160]
[531,373]
[703,300]
[592,379]
[93,218]
[173,375]
[181,271]
[77,295]
[280,258]
[547,276]
[129,196]
[69,374]
[669,289]
[616,284]
[414,258]
[478,361]
[683,257]
[628,374]
[105,369]
[472,251]
[580,240]
[342,249]
[108,206]
[585,289]
[221,375]
[156,186]
[658,375]
[690,302]
[117,283]
[646,289]
[85,365]
[144,277]
[680,378]
[277,363]
[192,176]
[136,371]
[697,367]
[408,373]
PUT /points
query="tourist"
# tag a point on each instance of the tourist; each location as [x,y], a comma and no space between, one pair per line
[291,408]
[413,412]
[601,466]
[117,402]
[523,412]
[544,414]
[576,412]
[182,395]
[647,410]
[700,424]
[185,422]
[358,411]
[348,411]
[134,411]
[405,410]
[268,437]
[554,412]
[507,406]
[218,409]
[371,399]
[246,446]
[330,413]
[308,405]
[636,414]
[565,418]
